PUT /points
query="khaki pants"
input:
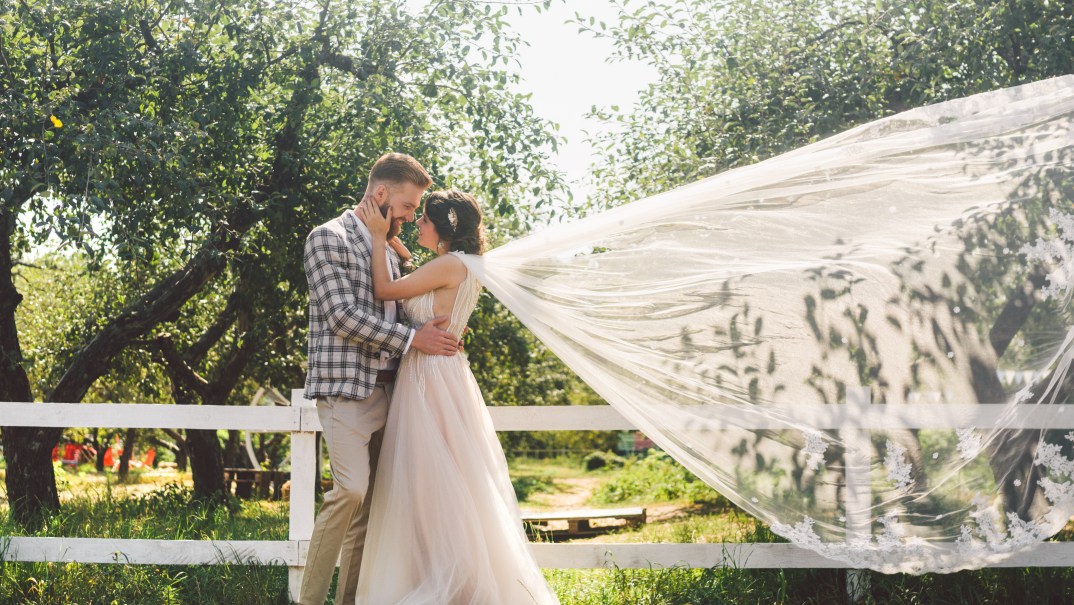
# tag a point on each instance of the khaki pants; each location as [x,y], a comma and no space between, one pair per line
[353,431]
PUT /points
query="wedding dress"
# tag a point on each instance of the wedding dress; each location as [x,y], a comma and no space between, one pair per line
[444,527]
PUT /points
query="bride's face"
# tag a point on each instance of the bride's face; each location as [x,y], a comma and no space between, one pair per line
[427,235]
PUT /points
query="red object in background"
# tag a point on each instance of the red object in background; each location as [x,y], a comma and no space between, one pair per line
[110,459]
[72,454]
[641,442]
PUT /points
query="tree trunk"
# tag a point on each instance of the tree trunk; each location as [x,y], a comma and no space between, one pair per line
[30,481]
[99,446]
[182,452]
[125,457]
[207,464]
[182,457]
[234,450]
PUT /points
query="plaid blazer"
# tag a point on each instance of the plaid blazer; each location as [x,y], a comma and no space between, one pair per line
[347,328]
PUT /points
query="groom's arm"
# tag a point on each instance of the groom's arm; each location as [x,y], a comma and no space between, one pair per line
[334,293]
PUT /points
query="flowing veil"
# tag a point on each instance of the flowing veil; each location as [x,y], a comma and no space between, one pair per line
[861,342]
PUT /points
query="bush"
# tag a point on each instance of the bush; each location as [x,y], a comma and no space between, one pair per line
[597,460]
[528,485]
[654,478]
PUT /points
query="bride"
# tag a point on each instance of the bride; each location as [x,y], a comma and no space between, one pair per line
[444,525]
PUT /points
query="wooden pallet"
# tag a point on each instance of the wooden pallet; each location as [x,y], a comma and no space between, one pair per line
[579,521]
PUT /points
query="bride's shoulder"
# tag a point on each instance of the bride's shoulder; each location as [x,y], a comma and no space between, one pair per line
[449,263]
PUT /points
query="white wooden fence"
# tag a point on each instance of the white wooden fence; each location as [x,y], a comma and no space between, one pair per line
[300,420]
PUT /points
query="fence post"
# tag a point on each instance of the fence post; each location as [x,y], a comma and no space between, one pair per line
[304,474]
[858,493]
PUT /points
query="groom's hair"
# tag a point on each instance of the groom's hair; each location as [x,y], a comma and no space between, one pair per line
[399,168]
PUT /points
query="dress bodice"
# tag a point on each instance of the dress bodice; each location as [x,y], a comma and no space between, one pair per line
[420,308]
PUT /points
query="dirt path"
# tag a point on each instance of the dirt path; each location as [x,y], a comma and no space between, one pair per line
[574,493]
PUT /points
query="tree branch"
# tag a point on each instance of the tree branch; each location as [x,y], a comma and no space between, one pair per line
[231,369]
[211,336]
[177,368]
[1015,313]
[147,35]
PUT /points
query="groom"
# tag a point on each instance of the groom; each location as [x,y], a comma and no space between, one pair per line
[355,343]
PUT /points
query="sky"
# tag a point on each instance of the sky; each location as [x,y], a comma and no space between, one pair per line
[567,73]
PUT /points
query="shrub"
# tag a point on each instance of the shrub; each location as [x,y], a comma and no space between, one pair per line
[654,478]
[596,460]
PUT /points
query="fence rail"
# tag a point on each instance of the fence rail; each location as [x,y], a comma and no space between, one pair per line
[301,421]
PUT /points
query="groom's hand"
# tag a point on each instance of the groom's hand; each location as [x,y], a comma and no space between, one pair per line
[433,339]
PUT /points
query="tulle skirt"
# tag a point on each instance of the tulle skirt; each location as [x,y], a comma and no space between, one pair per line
[444,527]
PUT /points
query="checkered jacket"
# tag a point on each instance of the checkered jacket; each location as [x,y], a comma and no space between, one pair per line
[347,327]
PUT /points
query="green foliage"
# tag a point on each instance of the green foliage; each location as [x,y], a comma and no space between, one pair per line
[605,459]
[743,81]
[173,119]
[654,478]
[198,143]
[65,302]
[527,485]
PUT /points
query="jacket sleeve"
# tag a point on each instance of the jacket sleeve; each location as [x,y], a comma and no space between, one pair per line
[332,290]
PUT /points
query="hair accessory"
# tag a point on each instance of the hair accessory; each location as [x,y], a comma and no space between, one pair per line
[453,218]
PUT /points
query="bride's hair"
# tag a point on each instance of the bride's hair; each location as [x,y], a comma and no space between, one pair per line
[457,218]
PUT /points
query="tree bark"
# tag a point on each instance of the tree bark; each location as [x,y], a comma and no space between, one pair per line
[233,451]
[128,451]
[98,445]
[30,479]
[207,465]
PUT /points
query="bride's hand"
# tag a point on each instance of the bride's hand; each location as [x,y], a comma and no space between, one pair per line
[376,222]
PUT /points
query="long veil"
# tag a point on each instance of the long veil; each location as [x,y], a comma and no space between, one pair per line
[862,342]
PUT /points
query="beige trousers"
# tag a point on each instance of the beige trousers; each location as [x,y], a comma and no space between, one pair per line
[353,431]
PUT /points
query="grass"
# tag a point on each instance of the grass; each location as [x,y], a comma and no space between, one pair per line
[168,512]
[96,507]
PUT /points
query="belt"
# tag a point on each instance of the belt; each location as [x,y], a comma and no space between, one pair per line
[385,376]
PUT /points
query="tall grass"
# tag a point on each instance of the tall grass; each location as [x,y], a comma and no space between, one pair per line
[167,513]
[170,513]
[682,586]
[733,586]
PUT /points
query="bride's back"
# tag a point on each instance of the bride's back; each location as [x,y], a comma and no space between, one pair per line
[457,303]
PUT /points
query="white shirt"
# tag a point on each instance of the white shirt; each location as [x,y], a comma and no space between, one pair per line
[391,309]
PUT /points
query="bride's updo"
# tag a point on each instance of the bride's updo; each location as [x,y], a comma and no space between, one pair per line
[457,219]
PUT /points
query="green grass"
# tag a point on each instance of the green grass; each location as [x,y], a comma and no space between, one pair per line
[166,513]
[169,513]
[681,586]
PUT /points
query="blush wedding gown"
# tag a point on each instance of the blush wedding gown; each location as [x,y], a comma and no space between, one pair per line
[445,527]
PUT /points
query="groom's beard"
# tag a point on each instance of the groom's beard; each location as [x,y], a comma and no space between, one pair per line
[397,225]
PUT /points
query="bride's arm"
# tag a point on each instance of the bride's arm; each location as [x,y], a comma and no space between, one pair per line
[443,272]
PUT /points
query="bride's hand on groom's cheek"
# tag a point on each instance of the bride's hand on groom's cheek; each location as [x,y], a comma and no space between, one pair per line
[373,218]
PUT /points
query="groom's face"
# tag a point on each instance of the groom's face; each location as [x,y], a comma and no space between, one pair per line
[403,199]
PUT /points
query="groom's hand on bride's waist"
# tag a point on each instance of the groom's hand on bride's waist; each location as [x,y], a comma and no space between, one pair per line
[433,339]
